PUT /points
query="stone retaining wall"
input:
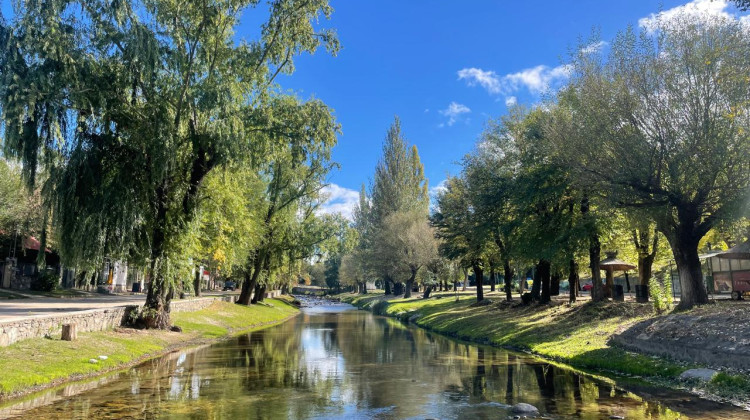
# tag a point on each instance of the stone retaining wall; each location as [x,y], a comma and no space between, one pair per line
[86,321]
[192,305]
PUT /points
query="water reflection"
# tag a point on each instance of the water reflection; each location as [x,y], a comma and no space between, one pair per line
[348,364]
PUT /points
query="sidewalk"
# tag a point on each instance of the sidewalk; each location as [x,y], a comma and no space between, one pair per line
[35,306]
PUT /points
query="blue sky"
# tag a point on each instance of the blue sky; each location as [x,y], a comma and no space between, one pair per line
[444,67]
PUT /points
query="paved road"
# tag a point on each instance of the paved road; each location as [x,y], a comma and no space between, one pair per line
[17,309]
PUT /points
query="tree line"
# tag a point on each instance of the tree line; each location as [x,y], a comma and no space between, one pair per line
[650,140]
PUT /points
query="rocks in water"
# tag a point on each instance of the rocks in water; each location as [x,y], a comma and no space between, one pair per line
[701,374]
[525,409]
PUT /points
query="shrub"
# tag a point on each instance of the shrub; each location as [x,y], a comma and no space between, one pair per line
[46,281]
[660,289]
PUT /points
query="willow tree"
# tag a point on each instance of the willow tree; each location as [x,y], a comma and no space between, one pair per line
[129,105]
[294,176]
[663,125]
[228,224]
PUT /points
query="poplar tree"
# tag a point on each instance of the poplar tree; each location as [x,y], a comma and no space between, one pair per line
[399,186]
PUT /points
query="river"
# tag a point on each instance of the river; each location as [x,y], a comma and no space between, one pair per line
[335,362]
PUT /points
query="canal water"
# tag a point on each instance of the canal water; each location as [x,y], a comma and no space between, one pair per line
[335,362]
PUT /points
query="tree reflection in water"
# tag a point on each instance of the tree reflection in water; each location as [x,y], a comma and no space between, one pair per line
[345,364]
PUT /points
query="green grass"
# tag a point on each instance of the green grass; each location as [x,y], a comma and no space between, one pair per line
[727,385]
[41,361]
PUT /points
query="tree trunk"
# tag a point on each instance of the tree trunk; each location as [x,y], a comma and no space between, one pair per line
[627,281]
[508,274]
[492,277]
[479,274]
[262,294]
[610,283]
[685,250]
[410,285]
[155,312]
[544,275]
[554,288]
[398,288]
[595,253]
[536,285]
[427,291]
[387,286]
[197,281]
[250,283]
[466,280]
[573,280]
[156,309]
[645,256]
[257,296]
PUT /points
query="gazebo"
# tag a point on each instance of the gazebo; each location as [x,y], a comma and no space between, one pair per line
[610,265]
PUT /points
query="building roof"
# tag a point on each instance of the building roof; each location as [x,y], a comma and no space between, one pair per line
[612,263]
[737,252]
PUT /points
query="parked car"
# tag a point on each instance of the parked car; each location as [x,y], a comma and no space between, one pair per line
[587,287]
[230,285]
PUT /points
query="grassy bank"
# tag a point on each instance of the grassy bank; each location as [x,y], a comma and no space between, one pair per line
[577,334]
[39,363]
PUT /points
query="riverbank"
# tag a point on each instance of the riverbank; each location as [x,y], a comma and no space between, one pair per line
[579,335]
[35,364]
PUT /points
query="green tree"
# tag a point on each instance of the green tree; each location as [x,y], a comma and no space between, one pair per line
[407,244]
[129,106]
[19,208]
[294,176]
[662,126]
[228,224]
[460,228]
[399,185]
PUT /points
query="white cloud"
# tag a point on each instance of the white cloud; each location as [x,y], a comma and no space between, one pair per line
[454,111]
[487,79]
[511,101]
[339,200]
[694,9]
[435,190]
[594,47]
[536,80]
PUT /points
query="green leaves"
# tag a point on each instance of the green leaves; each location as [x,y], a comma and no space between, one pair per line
[130,107]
